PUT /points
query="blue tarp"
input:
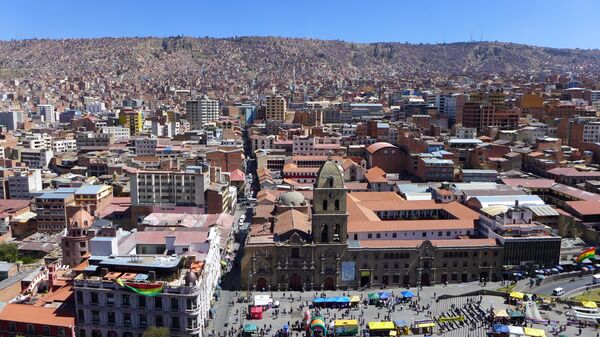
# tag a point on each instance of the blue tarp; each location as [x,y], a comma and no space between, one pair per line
[500,328]
[384,295]
[408,294]
[337,299]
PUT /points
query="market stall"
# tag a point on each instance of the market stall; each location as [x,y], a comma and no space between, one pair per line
[345,327]
[256,312]
[381,328]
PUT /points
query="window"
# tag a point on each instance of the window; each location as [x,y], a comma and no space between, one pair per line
[110,299]
[141,301]
[158,321]
[355,236]
[111,317]
[174,303]
[81,332]
[126,318]
[394,235]
[12,326]
[94,297]
[30,329]
[370,236]
[79,295]
[80,315]
[125,300]
[158,302]
[95,316]
[424,234]
[61,332]
[175,323]
[143,320]
[440,233]
[337,205]
[324,205]
[378,235]
[295,252]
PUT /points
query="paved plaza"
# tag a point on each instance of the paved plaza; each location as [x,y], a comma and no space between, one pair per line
[232,309]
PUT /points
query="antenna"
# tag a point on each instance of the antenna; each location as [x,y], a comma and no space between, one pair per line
[481,36]
[471,39]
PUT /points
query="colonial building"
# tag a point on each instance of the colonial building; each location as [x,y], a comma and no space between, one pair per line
[347,240]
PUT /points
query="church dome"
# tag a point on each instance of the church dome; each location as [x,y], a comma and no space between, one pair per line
[81,219]
[330,176]
[190,278]
[292,198]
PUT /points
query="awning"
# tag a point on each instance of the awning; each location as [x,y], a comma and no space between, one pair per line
[516,294]
[501,313]
[408,294]
[500,328]
[250,328]
[401,323]
[516,314]
[373,296]
[354,299]
[345,322]
[384,295]
[589,304]
[426,325]
[515,330]
[256,310]
[534,332]
[381,326]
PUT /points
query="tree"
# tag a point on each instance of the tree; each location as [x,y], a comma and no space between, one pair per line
[9,252]
[154,331]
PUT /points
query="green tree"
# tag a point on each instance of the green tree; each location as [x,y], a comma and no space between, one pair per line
[154,331]
[9,252]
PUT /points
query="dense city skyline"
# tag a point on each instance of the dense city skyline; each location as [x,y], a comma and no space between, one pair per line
[541,23]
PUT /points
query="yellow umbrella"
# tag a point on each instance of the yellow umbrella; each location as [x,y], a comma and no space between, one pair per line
[354,299]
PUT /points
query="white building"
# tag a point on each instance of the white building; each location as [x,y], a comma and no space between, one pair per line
[120,133]
[47,110]
[591,132]
[37,141]
[201,111]
[64,145]
[181,188]
[23,183]
[36,158]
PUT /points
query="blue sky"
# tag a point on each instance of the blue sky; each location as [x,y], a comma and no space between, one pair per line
[565,23]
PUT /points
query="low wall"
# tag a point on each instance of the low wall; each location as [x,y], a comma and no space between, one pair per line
[476,293]
[571,274]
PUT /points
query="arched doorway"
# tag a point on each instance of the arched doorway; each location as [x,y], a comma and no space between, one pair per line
[295,282]
[444,278]
[261,284]
[483,276]
[425,279]
[329,283]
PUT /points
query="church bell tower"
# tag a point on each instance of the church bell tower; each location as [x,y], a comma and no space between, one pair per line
[329,216]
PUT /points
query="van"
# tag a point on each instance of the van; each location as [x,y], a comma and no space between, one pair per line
[558,292]
[596,278]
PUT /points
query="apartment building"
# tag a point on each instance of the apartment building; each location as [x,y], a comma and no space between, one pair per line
[133,120]
[181,188]
[93,198]
[37,141]
[51,209]
[120,133]
[39,158]
[23,183]
[47,110]
[201,111]
[64,145]
[276,108]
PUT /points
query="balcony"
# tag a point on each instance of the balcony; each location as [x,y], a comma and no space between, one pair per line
[193,310]
[193,330]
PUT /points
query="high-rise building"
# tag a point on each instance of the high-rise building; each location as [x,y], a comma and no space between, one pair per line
[182,188]
[47,110]
[10,119]
[201,111]
[133,120]
[276,108]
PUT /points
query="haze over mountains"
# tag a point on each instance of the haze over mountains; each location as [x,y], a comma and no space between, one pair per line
[210,60]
